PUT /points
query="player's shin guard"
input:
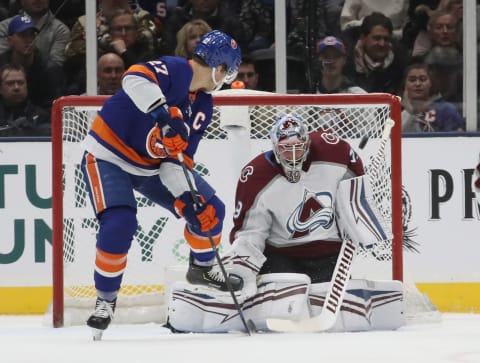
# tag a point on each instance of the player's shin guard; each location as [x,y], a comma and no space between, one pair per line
[117,227]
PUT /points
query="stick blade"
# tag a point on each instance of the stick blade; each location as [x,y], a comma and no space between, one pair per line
[316,324]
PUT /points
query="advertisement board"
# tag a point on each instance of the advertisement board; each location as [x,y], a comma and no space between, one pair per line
[441,219]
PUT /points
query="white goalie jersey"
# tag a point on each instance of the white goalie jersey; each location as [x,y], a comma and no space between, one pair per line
[309,218]
[295,218]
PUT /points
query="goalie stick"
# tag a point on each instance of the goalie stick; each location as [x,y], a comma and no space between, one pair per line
[197,203]
[341,274]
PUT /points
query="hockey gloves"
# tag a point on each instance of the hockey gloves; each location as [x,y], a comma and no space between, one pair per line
[201,216]
[174,130]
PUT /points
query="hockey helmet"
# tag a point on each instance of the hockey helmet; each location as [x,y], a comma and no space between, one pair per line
[216,48]
[291,142]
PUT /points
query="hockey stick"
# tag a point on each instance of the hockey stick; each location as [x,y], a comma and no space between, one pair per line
[341,274]
[333,301]
[197,204]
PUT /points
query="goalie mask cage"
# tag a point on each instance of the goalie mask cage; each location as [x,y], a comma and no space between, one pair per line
[241,124]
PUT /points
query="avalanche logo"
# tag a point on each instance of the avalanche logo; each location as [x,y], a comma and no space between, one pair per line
[315,211]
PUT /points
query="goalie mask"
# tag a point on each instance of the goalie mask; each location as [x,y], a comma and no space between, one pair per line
[216,48]
[290,142]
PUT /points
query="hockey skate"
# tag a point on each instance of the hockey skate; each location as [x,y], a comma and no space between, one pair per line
[101,317]
[211,276]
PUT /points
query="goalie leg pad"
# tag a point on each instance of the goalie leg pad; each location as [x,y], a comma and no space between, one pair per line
[278,295]
[357,214]
[367,305]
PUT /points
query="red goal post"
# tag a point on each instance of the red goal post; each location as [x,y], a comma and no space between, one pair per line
[239,129]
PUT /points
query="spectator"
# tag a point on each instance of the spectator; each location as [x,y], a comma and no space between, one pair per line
[220,15]
[67,11]
[311,21]
[110,69]
[18,116]
[318,18]
[444,25]
[75,48]
[188,37]
[332,57]
[424,109]
[123,39]
[442,31]
[145,26]
[377,62]
[43,82]
[52,36]
[439,48]
[247,73]
[446,68]
[257,19]
[4,9]
[416,21]
[354,11]
[309,24]
[158,9]
[456,8]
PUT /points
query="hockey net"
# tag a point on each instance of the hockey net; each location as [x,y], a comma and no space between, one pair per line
[239,130]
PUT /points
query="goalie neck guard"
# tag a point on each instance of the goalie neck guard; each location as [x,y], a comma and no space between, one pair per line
[216,48]
[291,142]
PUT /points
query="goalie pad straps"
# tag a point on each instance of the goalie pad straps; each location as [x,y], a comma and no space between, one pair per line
[357,214]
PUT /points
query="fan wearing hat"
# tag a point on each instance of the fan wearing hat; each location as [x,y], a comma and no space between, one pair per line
[21,38]
[20,24]
[332,58]
[22,51]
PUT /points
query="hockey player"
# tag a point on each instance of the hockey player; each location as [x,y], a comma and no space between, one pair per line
[293,207]
[134,143]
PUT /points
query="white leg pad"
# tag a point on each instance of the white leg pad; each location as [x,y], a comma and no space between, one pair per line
[368,305]
[282,296]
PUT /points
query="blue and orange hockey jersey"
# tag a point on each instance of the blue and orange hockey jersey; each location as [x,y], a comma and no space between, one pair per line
[127,136]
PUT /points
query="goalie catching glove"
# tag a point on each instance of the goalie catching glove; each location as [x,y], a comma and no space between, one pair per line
[200,216]
[174,130]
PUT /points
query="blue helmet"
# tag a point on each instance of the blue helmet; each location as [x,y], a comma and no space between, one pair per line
[216,48]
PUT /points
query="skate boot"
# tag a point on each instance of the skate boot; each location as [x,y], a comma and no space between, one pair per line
[211,276]
[101,317]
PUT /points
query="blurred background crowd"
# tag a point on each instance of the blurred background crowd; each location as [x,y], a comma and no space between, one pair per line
[412,49]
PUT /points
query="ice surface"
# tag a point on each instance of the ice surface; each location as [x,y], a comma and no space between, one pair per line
[25,339]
